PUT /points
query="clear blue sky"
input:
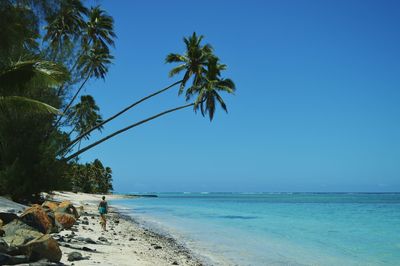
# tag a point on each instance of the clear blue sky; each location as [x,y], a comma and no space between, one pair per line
[317,106]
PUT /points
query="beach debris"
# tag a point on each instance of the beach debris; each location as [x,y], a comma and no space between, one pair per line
[157,247]
[175,263]
[132,239]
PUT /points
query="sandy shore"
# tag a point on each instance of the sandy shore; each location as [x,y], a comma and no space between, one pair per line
[125,242]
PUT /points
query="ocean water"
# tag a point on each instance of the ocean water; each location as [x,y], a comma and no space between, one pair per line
[280,228]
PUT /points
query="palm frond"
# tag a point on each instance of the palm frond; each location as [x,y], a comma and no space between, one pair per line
[21,72]
[221,101]
[177,70]
[175,58]
[26,104]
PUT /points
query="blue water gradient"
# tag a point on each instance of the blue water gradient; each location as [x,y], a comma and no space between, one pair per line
[280,228]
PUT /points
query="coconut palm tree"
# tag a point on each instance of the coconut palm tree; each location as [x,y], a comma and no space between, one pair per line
[98,34]
[194,61]
[85,114]
[65,27]
[99,29]
[16,79]
[208,89]
[93,64]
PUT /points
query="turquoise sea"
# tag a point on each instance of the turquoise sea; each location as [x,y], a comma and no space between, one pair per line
[278,228]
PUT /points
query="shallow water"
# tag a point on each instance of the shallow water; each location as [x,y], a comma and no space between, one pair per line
[280,229]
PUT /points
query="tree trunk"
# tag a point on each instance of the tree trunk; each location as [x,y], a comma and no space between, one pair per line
[118,114]
[72,100]
[70,71]
[125,129]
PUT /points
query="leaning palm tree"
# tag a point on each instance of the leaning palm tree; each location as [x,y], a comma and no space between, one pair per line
[209,87]
[16,79]
[207,91]
[193,62]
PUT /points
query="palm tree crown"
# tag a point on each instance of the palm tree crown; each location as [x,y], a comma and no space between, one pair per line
[85,115]
[95,62]
[66,25]
[99,29]
[208,89]
[193,61]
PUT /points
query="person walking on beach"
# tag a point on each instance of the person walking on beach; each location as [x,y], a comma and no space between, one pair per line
[103,209]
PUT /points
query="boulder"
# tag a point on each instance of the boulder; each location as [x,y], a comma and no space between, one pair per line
[18,233]
[7,217]
[67,207]
[43,247]
[64,220]
[6,259]
[102,239]
[51,205]
[74,256]
[45,262]
[22,237]
[3,246]
[36,217]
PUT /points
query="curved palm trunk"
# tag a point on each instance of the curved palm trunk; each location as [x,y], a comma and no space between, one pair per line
[72,100]
[70,71]
[125,129]
[118,114]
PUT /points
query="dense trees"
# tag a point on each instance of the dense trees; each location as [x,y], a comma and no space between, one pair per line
[38,73]
[42,74]
[91,178]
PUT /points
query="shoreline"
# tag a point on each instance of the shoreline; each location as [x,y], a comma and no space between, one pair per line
[128,241]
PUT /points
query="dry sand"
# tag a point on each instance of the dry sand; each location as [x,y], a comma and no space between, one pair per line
[128,243]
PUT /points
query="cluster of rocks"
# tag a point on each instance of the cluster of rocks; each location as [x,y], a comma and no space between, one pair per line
[27,238]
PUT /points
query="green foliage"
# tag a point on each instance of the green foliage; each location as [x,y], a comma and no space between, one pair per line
[31,79]
[91,177]
[199,61]
[38,80]
[85,115]
[193,61]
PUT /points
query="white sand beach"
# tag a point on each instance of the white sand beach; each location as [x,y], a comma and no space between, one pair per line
[124,243]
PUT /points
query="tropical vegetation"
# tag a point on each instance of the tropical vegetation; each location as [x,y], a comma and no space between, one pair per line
[49,50]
